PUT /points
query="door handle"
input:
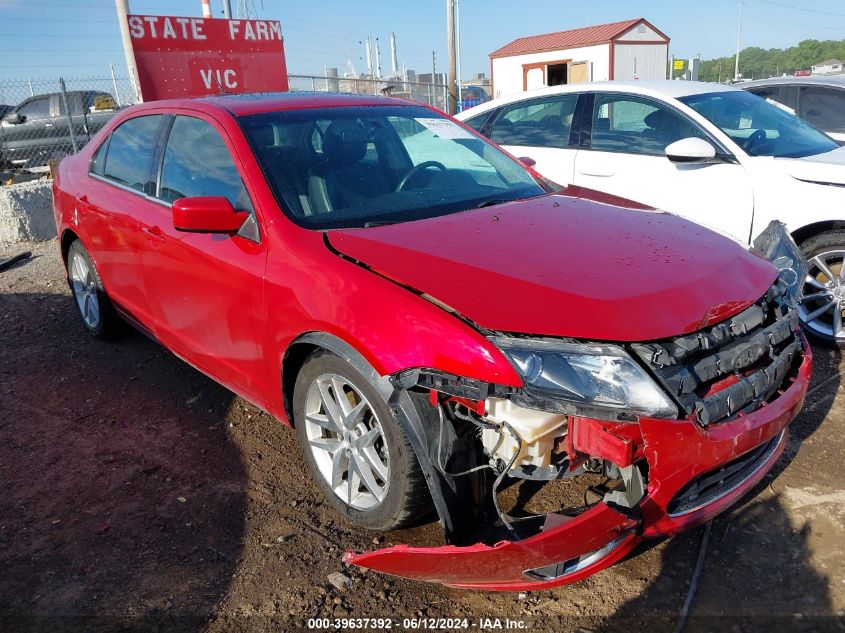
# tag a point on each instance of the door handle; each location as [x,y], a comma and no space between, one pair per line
[48,125]
[154,233]
[599,172]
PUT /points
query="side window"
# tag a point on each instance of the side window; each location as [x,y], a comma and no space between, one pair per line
[536,123]
[130,151]
[98,160]
[477,122]
[198,163]
[637,126]
[767,92]
[36,109]
[823,107]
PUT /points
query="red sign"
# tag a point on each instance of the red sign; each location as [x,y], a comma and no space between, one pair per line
[803,73]
[191,57]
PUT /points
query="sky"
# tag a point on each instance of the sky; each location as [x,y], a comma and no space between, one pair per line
[73,38]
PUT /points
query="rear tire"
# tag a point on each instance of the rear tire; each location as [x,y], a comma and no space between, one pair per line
[356,452]
[93,305]
[823,305]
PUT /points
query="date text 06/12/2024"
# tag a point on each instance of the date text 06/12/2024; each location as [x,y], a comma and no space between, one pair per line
[422,624]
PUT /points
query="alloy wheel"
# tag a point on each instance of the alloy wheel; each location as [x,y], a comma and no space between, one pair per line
[85,290]
[347,442]
[824,295]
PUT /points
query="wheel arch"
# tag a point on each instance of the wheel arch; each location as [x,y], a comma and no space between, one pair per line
[68,238]
[804,233]
[306,344]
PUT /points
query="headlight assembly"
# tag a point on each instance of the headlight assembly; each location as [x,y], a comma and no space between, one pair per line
[592,376]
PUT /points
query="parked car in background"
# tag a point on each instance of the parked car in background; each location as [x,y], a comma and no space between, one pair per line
[472,96]
[38,130]
[434,318]
[819,100]
[715,154]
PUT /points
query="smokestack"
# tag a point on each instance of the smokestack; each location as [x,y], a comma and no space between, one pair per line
[206,8]
[369,55]
[394,60]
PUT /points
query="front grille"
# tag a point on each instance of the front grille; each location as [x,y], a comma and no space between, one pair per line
[718,483]
[731,367]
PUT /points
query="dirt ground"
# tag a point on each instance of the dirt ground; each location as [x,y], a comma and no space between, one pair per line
[137,494]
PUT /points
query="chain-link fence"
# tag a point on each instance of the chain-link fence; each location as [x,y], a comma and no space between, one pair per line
[43,120]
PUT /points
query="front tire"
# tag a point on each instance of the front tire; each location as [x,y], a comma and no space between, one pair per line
[354,447]
[93,304]
[823,303]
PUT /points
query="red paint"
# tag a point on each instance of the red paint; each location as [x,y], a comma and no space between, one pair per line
[185,57]
[677,452]
[557,252]
[579,265]
[209,214]
[597,439]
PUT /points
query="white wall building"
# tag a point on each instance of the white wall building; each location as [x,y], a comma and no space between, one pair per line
[829,67]
[633,49]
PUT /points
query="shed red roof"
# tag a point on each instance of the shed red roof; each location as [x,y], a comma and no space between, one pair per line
[570,39]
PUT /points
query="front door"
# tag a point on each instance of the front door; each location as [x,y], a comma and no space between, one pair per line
[207,290]
[625,156]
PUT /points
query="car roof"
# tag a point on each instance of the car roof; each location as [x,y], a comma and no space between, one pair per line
[257,103]
[816,80]
[655,88]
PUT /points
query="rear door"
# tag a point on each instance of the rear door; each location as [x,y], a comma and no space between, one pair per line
[207,290]
[114,206]
[541,129]
[623,153]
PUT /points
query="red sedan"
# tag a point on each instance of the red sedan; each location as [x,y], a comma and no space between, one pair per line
[437,321]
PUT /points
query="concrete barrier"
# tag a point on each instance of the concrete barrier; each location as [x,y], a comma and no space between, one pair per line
[26,212]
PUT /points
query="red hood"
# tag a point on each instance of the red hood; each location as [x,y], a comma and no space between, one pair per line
[582,267]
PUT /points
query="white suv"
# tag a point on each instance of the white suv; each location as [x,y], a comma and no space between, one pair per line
[717,155]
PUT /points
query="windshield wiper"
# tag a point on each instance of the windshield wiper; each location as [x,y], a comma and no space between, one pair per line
[491,202]
[373,223]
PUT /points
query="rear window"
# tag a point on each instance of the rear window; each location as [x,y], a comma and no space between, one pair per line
[130,151]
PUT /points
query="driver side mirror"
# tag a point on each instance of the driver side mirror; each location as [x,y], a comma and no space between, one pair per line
[207,214]
[691,151]
[14,118]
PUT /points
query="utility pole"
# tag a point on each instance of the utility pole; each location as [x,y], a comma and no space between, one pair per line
[378,60]
[433,78]
[122,20]
[458,46]
[227,9]
[452,105]
[738,31]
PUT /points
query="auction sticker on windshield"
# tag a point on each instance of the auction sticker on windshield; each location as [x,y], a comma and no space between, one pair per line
[445,128]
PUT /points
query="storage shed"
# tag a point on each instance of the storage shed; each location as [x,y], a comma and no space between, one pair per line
[633,49]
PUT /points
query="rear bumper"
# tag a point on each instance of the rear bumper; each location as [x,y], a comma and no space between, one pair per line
[695,473]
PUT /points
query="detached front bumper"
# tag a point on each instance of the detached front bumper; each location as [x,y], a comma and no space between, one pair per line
[694,474]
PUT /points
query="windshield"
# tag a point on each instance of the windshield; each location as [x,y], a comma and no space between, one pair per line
[362,166]
[759,127]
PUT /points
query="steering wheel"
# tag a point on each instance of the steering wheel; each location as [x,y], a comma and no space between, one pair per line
[755,140]
[413,171]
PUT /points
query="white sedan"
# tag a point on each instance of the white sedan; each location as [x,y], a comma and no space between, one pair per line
[717,155]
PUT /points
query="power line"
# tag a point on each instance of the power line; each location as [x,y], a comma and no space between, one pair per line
[806,9]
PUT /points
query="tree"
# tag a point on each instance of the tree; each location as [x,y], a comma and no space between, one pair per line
[758,63]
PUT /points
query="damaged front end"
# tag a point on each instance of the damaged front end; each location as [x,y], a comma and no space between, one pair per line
[541,485]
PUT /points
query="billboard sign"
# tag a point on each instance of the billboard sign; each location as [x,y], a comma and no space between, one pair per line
[191,57]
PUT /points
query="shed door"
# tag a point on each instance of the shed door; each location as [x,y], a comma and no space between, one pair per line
[579,73]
